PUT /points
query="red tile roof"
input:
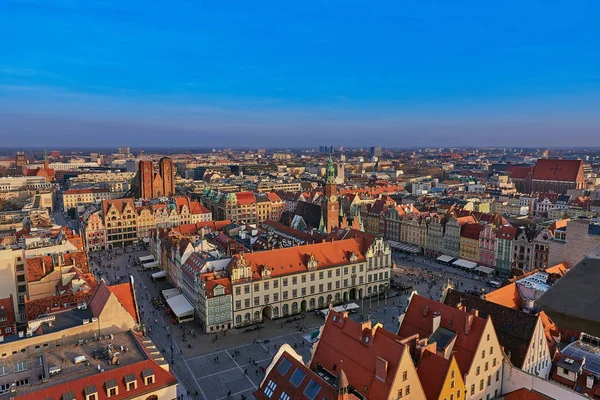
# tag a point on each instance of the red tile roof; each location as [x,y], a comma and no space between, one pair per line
[343,343]
[35,308]
[162,379]
[471,231]
[7,310]
[274,197]
[197,208]
[519,171]
[418,320]
[432,370]
[124,293]
[525,394]
[245,198]
[507,232]
[559,170]
[292,260]
[211,283]
[37,268]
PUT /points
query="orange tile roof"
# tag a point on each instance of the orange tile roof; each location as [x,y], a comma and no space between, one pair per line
[162,379]
[118,203]
[211,283]
[7,310]
[197,208]
[418,320]
[274,197]
[292,260]
[343,344]
[507,296]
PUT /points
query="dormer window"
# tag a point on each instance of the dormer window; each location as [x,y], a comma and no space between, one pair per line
[68,396]
[148,376]
[90,392]
[130,382]
[112,389]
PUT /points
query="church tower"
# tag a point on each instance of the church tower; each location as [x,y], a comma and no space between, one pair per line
[331,206]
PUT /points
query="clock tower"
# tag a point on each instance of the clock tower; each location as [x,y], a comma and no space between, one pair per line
[331,206]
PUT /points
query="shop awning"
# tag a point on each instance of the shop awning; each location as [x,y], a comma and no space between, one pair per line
[180,306]
[151,265]
[460,263]
[484,270]
[168,293]
[159,274]
[445,259]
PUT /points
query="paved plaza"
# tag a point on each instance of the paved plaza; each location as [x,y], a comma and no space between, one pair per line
[215,366]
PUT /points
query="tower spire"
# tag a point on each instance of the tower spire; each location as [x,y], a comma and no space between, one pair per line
[45,159]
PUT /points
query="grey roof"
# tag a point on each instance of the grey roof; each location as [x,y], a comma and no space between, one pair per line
[569,364]
[574,298]
[580,349]
[91,389]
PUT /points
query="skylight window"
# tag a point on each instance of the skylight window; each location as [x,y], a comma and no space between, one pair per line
[271,386]
[297,377]
[284,396]
[312,389]
[284,366]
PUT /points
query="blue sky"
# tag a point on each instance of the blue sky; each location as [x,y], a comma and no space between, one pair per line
[273,73]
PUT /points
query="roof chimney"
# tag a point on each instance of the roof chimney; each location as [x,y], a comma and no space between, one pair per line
[475,312]
[468,323]
[426,311]
[437,318]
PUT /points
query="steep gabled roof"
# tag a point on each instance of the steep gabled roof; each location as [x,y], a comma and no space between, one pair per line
[418,320]
[357,347]
[432,370]
[514,328]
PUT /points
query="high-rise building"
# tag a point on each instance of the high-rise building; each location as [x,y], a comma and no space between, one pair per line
[376,151]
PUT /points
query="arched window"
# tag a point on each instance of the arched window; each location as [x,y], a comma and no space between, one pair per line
[247,317]
[152,397]
[238,320]
[275,312]
[329,298]
[311,303]
[256,315]
[369,290]
[337,297]
[321,301]
[294,307]
[286,309]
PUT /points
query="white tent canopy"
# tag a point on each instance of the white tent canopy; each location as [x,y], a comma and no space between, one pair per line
[180,306]
[168,293]
[405,247]
[445,259]
[460,263]
[484,270]
[150,265]
[159,274]
[145,259]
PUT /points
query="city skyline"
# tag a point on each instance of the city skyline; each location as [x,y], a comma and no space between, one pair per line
[274,75]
